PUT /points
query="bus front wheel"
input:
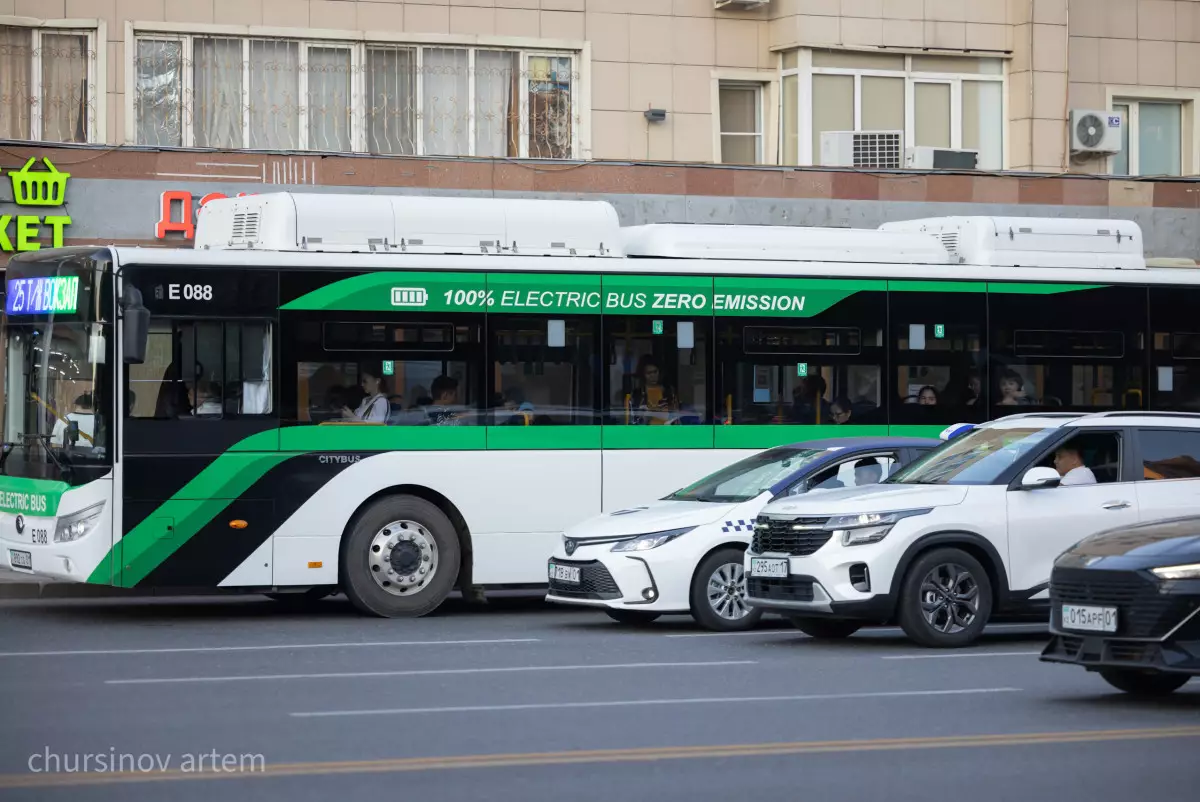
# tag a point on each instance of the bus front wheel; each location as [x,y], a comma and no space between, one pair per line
[401,558]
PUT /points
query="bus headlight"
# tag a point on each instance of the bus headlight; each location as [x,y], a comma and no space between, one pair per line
[77,524]
[650,541]
[868,527]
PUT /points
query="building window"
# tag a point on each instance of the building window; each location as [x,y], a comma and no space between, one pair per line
[938,101]
[1152,139]
[280,94]
[47,84]
[740,113]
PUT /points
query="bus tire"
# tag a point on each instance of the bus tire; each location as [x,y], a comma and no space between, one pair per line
[401,558]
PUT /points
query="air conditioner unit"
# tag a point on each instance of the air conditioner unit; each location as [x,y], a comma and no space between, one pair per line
[746,4]
[878,149]
[924,157]
[1096,131]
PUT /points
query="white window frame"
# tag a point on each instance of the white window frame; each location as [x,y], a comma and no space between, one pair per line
[805,70]
[577,52]
[95,31]
[765,86]
[1189,131]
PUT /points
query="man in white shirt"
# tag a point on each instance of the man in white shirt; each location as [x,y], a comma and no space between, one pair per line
[84,416]
[1069,464]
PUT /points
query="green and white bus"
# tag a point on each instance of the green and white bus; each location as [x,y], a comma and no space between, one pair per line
[398,396]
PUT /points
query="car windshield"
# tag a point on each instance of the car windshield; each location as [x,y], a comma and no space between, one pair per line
[978,458]
[750,477]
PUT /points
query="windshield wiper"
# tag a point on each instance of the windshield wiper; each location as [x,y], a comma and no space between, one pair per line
[64,469]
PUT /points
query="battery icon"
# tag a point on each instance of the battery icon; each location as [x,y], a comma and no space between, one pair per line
[409,296]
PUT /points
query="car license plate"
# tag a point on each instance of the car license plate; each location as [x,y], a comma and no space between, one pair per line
[565,573]
[762,567]
[20,559]
[1089,619]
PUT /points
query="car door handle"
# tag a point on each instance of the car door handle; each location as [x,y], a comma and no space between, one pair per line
[1115,505]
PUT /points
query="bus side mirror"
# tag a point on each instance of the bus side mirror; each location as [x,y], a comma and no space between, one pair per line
[137,327]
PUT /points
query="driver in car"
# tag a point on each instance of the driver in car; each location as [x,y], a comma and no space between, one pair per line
[1070,466]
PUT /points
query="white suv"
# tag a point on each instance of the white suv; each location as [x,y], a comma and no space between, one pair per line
[972,528]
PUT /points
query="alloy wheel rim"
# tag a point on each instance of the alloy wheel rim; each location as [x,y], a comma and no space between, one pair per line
[727,592]
[949,598]
[402,557]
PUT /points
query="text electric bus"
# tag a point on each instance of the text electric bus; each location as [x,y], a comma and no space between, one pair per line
[395,396]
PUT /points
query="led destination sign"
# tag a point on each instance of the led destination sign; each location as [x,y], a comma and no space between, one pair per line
[42,296]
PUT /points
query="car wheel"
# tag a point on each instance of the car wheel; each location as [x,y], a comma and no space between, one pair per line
[825,628]
[632,617]
[945,600]
[718,594]
[401,558]
[1143,683]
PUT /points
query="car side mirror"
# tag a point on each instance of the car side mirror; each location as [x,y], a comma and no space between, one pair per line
[1037,478]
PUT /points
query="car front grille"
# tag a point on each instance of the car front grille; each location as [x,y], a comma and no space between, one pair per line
[779,535]
[792,588]
[1142,611]
[595,582]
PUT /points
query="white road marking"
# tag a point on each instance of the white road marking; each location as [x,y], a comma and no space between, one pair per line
[652,702]
[279,647]
[956,655]
[429,672]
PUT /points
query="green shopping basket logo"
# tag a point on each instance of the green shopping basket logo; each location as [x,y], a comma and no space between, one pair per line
[42,188]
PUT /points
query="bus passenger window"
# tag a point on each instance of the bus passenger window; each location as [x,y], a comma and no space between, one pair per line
[824,369]
[1175,371]
[543,370]
[414,372]
[657,371]
[937,356]
[1079,350]
[208,369]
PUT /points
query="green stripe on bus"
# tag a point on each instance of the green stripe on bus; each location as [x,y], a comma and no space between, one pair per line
[213,489]
[1018,288]
[399,290]
[771,436]
[351,437]
[784,297]
[623,438]
[535,438]
[937,286]
[31,497]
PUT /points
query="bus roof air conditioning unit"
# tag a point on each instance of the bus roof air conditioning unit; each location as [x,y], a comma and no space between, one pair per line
[924,157]
[742,4]
[1096,131]
[877,149]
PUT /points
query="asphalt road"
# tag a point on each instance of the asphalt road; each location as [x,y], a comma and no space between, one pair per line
[525,702]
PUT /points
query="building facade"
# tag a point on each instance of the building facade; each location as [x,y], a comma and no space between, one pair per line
[715,110]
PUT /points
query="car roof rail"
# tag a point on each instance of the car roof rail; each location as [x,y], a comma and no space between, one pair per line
[1021,415]
[1124,413]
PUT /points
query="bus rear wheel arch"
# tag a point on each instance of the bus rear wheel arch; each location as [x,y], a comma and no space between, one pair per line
[400,557]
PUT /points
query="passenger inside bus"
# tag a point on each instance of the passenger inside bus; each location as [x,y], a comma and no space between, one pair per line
[841,411]
[445,396]
[808,401]
[1012,389]
[374,407]
[927,396]
[652,401]
[83,415]
[205,397]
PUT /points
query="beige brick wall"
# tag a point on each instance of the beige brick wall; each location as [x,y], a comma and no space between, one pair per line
[1138,48]
[1061,54]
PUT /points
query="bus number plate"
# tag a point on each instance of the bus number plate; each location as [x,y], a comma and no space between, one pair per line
[20,559]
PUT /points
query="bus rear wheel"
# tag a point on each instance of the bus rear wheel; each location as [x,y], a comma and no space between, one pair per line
[401,558]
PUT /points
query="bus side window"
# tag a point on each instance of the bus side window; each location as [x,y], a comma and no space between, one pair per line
[657,370]
[543,370]
[202,369]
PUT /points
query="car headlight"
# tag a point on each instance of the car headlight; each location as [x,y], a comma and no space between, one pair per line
[1191,571]
[651,541]
[867,527]
[77,524]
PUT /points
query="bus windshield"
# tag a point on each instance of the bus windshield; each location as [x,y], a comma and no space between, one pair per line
[57,387]
[748,478]
[978,458]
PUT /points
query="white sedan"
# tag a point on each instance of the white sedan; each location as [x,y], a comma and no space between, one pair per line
[684,553]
